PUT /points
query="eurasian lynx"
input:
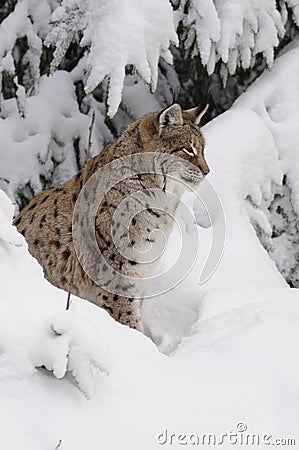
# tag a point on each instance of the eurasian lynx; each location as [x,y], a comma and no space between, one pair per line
[46,222]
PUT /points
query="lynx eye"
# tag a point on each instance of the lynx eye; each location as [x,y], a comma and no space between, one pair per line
[191,152]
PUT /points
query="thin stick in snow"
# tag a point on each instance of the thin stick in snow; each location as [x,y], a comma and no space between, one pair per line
[68,302]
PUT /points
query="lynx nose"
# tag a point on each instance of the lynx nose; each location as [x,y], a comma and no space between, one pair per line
[202,165]
[205,170]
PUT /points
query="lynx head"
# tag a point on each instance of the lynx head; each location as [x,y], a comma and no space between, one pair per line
[176,132]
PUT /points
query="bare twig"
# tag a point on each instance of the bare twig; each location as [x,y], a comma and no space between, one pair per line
[74,262]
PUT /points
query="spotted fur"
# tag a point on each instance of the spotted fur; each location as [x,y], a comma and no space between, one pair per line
[46,222]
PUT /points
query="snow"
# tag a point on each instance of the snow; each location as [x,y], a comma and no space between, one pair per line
[225,351]
[17,26]
[143,33]
[204,14]
[45,136]
[14,26]
[233,32]
[274,96]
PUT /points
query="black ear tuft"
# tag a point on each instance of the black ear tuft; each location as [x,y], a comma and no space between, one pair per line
[170,116]
[200,114]
[195,114]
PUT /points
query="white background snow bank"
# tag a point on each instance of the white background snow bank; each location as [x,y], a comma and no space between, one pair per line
[234,340]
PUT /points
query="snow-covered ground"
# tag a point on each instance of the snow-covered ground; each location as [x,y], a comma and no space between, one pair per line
[226,359]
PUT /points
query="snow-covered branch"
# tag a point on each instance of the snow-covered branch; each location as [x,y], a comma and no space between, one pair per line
[117,34]
[233,32]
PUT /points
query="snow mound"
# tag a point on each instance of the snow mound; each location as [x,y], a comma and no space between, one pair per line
[61,341]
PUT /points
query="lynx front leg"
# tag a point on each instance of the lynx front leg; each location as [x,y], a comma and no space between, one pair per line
[124,310]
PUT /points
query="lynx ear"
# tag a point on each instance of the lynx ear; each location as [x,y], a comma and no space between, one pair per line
[197,113]
[170,116]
